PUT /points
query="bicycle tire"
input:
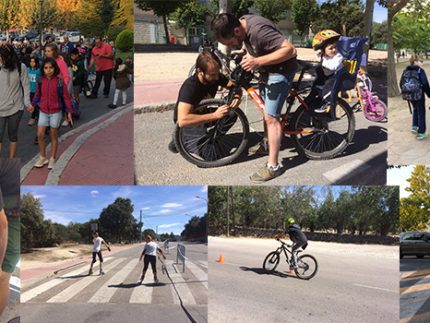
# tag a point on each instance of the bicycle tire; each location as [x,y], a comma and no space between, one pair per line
[192,70]
[88,88]
[323,143]
[271,261]
[379,114]
[304,265]
[207,145]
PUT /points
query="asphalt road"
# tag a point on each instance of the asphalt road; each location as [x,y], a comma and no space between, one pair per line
[415,289]
[90,109]
[73,296]
[354,283]
[363,162]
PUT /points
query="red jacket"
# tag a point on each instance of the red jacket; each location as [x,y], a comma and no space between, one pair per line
[48,100]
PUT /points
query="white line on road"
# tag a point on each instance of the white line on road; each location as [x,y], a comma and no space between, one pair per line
[204,264]
[105,293]
[201,275]
[181,286]
[346,170]
[378,288]
[77,287]
[142,295]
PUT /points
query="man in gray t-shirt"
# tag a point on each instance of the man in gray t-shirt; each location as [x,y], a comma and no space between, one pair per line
[269,52]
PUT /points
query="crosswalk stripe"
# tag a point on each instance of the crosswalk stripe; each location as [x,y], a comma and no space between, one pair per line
[181,286]
[142,294]
[105,293]
[77,287]
[204,264]
[200,274]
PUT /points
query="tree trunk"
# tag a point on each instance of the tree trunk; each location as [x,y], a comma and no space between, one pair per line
[393,88]
[166,30]
[368,20]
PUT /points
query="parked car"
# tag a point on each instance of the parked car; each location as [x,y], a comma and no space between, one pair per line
[414,243]
[74,36]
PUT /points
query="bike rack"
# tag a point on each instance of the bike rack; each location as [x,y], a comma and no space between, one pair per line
[180,255]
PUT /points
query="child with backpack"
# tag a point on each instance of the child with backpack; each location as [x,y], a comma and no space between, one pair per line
[122,82]
[51,97]
[414,84]
[33,75]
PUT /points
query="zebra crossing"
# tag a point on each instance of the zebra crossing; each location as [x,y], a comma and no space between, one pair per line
[414,296]
[120,285]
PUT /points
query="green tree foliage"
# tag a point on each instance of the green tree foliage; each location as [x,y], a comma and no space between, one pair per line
[31,222]
[124,15]
[274,10]
[195,229]
[379,33]
[353,210]
[190,14]
[343,16]
[116,221]
[238,7]
[124,41]
[304,12]
[415,209]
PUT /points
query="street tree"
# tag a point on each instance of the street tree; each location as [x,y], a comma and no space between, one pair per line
[124,15]
[67,9]
[238,7]
[31,221]
[274,10]
[303,13]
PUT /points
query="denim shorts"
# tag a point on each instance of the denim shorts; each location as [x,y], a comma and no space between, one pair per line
[274,90]
[50,120]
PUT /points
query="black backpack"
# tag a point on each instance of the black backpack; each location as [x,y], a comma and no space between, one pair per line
[411,86]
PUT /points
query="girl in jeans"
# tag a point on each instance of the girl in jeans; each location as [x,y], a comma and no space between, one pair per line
[50,105]
[14,95]
[150,253]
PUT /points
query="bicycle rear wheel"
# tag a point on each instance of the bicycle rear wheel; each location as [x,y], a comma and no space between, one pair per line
[271,261]
[324,137]
[215,143]
[378,113]
[307,267]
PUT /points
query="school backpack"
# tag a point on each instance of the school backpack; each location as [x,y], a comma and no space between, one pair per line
[410,85]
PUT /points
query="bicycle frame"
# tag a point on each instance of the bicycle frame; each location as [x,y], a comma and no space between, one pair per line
[367,99]
[284,248]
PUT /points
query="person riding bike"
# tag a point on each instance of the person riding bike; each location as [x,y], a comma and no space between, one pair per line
[268,51]
[298,238]
[203,84]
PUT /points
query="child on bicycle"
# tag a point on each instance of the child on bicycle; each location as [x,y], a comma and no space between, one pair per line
[325,42]
[298,238]
[414,84]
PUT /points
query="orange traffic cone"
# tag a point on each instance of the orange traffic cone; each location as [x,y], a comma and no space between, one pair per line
[221,259]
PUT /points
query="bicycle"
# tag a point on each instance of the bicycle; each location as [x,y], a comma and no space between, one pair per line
[307,265]
[374,109]
[87,88]
[316,135]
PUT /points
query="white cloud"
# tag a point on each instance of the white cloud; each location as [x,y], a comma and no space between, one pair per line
[56,218]
[171,225]
[124,191]
[204,189]
[164,211]
[145,208]
[40,196]
[94,193]
[171,205]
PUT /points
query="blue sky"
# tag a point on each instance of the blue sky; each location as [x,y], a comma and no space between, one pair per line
[379,14]
[399,176]
[168,207]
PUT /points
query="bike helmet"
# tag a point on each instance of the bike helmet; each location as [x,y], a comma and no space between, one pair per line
[290,220]
[323,37]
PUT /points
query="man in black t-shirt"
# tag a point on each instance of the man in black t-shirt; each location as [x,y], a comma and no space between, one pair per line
[201,85]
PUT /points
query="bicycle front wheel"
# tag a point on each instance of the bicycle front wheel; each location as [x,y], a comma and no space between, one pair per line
[377,113]
[307,267]
[322,136]
[271,261]
[215,143]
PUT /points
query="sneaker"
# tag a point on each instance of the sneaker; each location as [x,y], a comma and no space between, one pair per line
[156,280]
[265,174]
[65,123]
[42,161]
[414,130]
[325,108]
[421,136]
[112,106]
[51,163]
[102,272]
[31,122]
[172,147]
[262,148]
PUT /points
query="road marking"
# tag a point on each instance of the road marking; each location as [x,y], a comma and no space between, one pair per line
[378,288]
[201,275]
[15,281]
[181,286]
[77,287]
[346,170]
[203,264]
[105,293]
[142,294]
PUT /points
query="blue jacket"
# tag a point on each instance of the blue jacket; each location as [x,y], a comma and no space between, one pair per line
[33,76]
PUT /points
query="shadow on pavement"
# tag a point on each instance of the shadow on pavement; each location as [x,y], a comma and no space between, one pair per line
[72,277]
[261,271]
[363,138]
[133,285]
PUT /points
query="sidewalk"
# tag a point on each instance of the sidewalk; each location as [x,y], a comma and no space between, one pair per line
[106,141]
[31,275]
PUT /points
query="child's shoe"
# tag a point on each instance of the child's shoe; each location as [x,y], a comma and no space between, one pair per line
[51,163]
[112,106]
[421,136]
[414,130]
[42,161]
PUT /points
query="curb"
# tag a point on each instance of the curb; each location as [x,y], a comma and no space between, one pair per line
[161,107]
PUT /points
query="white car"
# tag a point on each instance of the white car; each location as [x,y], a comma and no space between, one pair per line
[74,36]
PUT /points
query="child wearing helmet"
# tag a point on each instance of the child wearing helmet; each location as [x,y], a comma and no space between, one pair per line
[325,42]
[298,238]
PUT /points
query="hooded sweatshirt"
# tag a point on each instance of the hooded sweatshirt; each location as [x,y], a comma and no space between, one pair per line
[47,99]
[14,92]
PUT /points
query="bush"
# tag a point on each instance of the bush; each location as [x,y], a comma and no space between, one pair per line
[124,40]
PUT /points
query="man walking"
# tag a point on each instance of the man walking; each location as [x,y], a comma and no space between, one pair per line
[275,58]
[102,55]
